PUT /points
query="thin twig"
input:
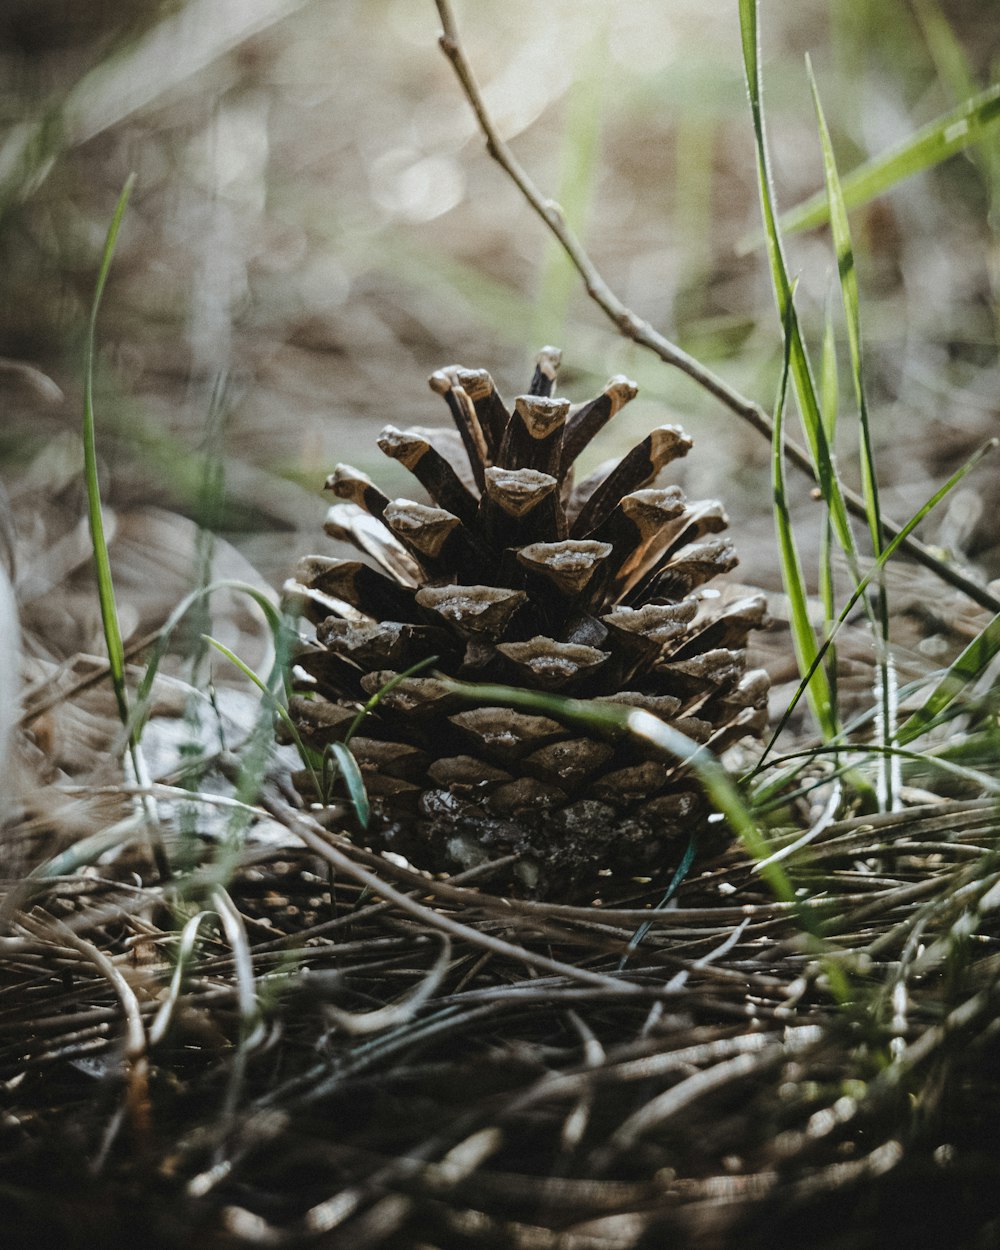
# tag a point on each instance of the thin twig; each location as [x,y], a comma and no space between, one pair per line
[641,332]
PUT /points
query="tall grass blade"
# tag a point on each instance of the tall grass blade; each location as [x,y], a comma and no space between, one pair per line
[829,385]
[102,563]
[105,585]
[829,408]
[801,371]
[803,638]
[849,296]
[955,130]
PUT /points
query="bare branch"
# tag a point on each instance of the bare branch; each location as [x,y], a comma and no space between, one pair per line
[641,332]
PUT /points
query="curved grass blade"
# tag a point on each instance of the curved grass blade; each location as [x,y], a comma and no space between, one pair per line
[929,146]
[105,585]
[186,951]
[348,768]
[273,703]
[382,691]
[345,762]
[280,632]
[967,668]
[347,765]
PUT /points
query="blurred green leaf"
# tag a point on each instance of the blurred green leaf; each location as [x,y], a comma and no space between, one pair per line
[581,150]
[932,144]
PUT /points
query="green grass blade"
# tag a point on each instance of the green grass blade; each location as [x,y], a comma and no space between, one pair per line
[278,627]
[675,883]
[353,780]
[187,946]
[887,553]
[276,706]
[967,668]
[946,51]
[847,274]
[829,386]
[849,296]
[248,672]
[105,585]
[830,408]
[925,759]
[955,130]
[347,765]
[801,371]
[954,69]
[382,691]
[803,638]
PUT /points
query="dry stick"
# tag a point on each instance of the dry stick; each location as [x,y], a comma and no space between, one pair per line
[641,332]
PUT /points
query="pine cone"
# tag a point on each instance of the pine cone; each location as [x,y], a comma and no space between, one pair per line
[515,575]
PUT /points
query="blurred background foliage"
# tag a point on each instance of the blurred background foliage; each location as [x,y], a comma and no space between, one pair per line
[316,226]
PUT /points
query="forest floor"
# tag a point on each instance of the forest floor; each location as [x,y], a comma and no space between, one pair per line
[316,227]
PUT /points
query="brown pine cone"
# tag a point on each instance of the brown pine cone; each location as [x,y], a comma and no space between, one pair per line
[513,574]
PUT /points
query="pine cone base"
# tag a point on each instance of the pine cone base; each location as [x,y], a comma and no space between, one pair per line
[586,849]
